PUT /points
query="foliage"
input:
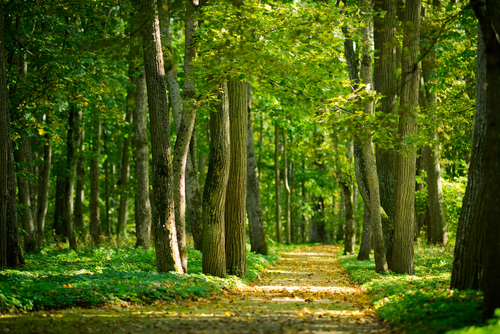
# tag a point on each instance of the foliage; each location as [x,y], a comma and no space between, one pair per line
[492,328]
[422,302]
[54,278]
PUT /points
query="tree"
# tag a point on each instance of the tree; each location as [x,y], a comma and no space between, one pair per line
[80,185]
[167,250]
[95,210]
[277,148]
[287,191]
[402,252]
[43,183]
[214,194]
[11,254]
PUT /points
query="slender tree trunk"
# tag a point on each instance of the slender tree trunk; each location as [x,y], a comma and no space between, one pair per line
[80,186]
[23,185]
[73,139]
[43,185]
[125,172]
[237,183]
[11,254]
[385,83]
[277,181]
[366,235]
[467,272]
[402,255]
[214,194]
[287,192]
[60,186]
[419,216]
[107,192]
[346,187]
[304,199]
[95,215]
[256,227]
[167,250]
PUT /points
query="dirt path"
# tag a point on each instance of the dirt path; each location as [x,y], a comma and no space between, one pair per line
[307,291]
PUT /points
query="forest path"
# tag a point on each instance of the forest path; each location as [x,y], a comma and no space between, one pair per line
[307,291]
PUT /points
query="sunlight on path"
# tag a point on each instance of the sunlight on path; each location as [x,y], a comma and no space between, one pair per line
[307,291]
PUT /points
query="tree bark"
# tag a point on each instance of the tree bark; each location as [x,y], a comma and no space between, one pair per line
[167,250]
[256,227]
[60,186]
[80,186]
[467,272]
[345,182]
[95,215]
[385,83]
[402,255]
[107,192]
[73,139]
[11,254]
[287,192]
[43,185]
[277,181]
[125,172]
[237,183]
[214,194]
[488,15]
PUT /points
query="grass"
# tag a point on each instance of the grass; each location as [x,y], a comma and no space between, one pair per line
[422,302]
[58,278]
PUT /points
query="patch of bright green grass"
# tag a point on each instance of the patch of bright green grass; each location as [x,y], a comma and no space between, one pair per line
[60,278]
[422,302]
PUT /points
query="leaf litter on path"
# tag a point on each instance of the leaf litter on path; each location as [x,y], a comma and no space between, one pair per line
[307,291]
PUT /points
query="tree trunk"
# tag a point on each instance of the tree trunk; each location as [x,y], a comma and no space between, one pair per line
[167,250]
[125,173]
[214,194]
[287,192]
[107,192]
[385,83]
[402,251]
[467,272]
[60,186]
[345,182]
[80,186]
[43,185]
[419,216]
[277,180]
[488,14]
[256,227]
[23,184]
[95,215]
[11,254]
[73,139]
[366,236]
[237,183]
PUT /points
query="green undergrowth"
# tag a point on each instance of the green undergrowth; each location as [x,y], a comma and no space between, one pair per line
[58,278]
[422,302]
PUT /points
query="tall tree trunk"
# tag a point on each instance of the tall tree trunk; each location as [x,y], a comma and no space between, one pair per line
[488,14]
[277,180]
[95,215]
[11,254]
[125,171]
[237,183]
[167,250]
[214,194]
[58,217]
[287,192]
[256,227]
[22,154]
[80,186]
[43,184]
[420,221]
[304,199]
[345,182]
[107,192]
[467,272]
[402,251]
[385,83]
[73,139]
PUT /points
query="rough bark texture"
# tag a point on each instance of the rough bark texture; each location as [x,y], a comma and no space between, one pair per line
[385,83]
[467,272]
[80,187]
[237,183]
[488,14]
[167,250]
[287,192]
[95,215]
[125,172]
[72,140]
[22,154]
[402,251]
[256,227]
[43,185]
[277,180]
[214,194]
[11,254]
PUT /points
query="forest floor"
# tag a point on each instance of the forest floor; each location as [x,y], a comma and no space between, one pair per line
[307,291]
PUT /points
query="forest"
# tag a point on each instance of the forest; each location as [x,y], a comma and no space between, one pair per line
[283,166]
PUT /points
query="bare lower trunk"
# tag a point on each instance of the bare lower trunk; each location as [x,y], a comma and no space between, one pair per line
[402,254]
[107,193]
[80,186]
[167,250]
[237,183]
[287,192]
[43,185]
[277,181]
[366,235]
[214,195]
[95,215]
[125,174]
